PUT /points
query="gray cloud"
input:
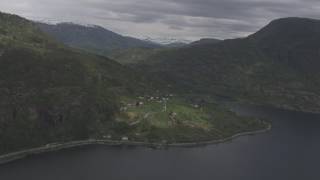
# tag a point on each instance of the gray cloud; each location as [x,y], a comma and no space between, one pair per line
[181,19]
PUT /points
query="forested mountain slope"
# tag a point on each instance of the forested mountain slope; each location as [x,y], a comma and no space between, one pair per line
[277,65]
[51,93]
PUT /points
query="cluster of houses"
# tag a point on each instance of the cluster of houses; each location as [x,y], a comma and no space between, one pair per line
[109,137]
[173,120]
[142,99]
[159,99]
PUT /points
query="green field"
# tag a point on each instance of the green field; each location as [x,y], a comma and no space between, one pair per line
[177,120]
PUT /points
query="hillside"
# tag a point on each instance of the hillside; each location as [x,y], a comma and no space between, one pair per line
[135,55]
[292,41]
[176,45]
[205,41]
[94,39]
[51,93]
[277,65]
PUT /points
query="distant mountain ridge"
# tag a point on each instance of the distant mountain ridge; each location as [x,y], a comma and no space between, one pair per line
[166,41]
[176,45]
[205,41]
[138,55]
[95,39]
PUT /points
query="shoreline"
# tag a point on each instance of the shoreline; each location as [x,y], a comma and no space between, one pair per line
[282,107]
[10,157]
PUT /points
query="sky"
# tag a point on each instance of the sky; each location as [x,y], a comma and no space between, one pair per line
[166,19]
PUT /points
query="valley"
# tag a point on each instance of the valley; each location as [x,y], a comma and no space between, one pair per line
[56,92]
[53,93]
[159,90]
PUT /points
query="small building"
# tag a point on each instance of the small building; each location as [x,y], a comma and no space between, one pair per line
[173,120]
[125,138]
[123,109]
[139,103]
[107,137]
[165,99]
[196,106]
[173,114]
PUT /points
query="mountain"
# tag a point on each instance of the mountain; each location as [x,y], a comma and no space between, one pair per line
[134,55]
[293,41]
[205,41]
[278,65]
[94,39]
[176,45]
[168,41]
[137,55]
[52,93]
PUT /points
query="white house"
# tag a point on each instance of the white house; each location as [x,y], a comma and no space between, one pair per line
[124,138]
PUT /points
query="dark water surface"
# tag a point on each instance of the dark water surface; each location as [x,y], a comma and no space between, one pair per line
[289,152]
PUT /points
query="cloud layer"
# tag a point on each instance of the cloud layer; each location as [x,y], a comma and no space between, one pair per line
[180,19]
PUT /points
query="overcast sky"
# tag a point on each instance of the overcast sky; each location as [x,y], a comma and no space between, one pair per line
[179,19]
